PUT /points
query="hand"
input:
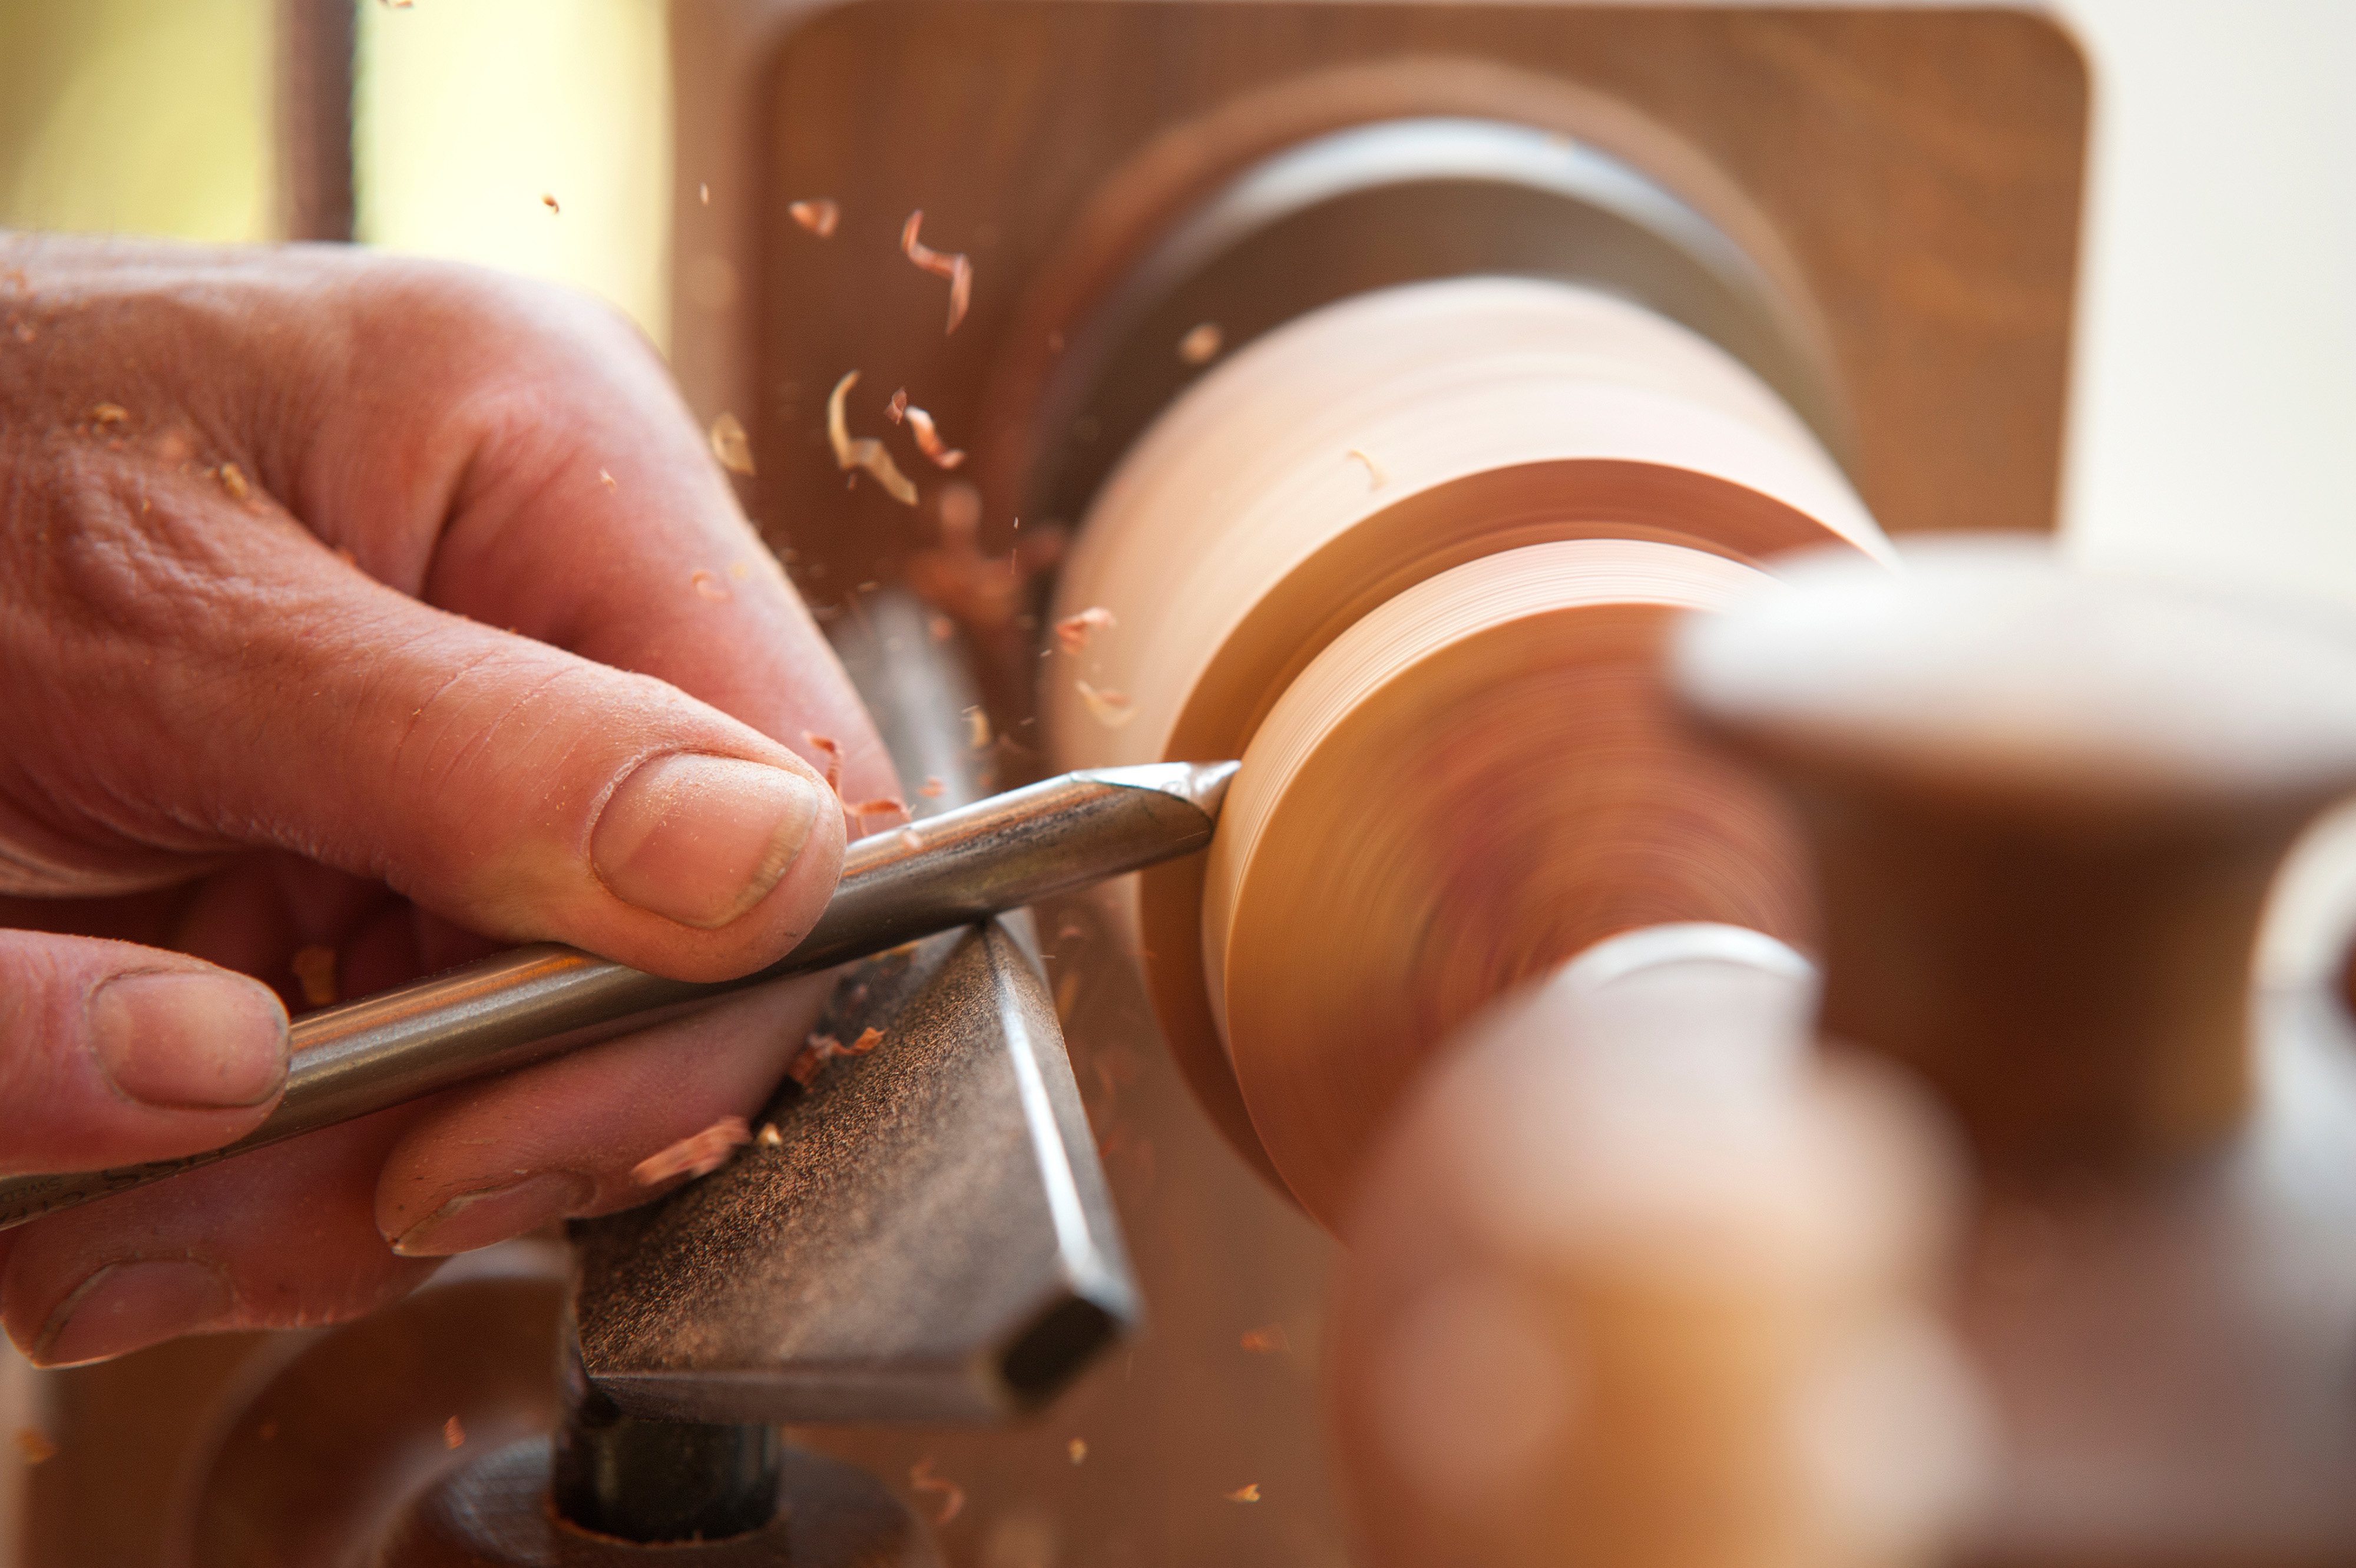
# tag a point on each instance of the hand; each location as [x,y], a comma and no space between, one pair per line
[389,608]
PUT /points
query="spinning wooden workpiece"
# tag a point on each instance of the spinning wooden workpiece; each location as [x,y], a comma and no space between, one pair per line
[1410,557]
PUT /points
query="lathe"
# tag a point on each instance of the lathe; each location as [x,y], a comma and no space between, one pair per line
[1423,405]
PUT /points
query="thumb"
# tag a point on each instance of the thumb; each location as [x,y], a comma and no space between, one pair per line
[515,788]
[112,1053]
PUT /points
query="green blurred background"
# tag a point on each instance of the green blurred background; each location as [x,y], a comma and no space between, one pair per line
[160,117]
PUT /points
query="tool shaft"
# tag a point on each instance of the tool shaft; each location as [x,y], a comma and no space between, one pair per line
[537,1001]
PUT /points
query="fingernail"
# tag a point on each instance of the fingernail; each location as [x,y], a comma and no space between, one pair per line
[491,1214]
[125,1307]
[190,1041]
[701,840]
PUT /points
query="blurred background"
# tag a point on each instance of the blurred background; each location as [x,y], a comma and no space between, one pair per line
[2214,407]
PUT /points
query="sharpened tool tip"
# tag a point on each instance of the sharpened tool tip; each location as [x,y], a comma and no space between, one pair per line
[1202,784]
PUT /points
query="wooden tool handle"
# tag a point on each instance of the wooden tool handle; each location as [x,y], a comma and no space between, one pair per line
[2046,810]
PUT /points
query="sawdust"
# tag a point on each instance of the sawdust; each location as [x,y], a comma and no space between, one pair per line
[315,971]
[1072,632]
[818,215]
[921,1478]
[863,452]
[697,1154]
[956,268]
[732,446]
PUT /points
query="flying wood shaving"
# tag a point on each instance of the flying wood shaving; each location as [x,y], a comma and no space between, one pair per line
[977,728]
[921,1478]
[1201,344]
[1072,632]
[606,479]
[770,1137]
[109,413]
[314,971]
[707,583]
[550,202]
[1245,1494]
[233,480]
[931,788]
[1267,1341]
[453,1435]
[881,806]
[730,446]
[820,1050]
[831,749]
[866,452]
[897,408]
[1078,1449]
[699,1154]
[956,268]
[929,441]
[911,840]
[1109,708]
[818,215]
[1375,477]
[34,1447]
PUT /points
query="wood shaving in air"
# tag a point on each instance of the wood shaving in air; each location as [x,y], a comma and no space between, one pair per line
[864,452]
[1072,632]
[1375,477]
[107,414]
[911,840]
[1267,1341]
[233,480]
[897,409]
[956,268]
[770,1137]
[1200,345]
[881,806]
[1109,708]
[34,1446]
[818,215]
[707,585]
[732,446]
[929,441]
[550,202]
[977,728]
[454,1435]
[606,480]
[697,1154]
[315,971]
[831,748]
[931,788]
[1078,1449]
[704,192]
[1245,1494]
[921,1478]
